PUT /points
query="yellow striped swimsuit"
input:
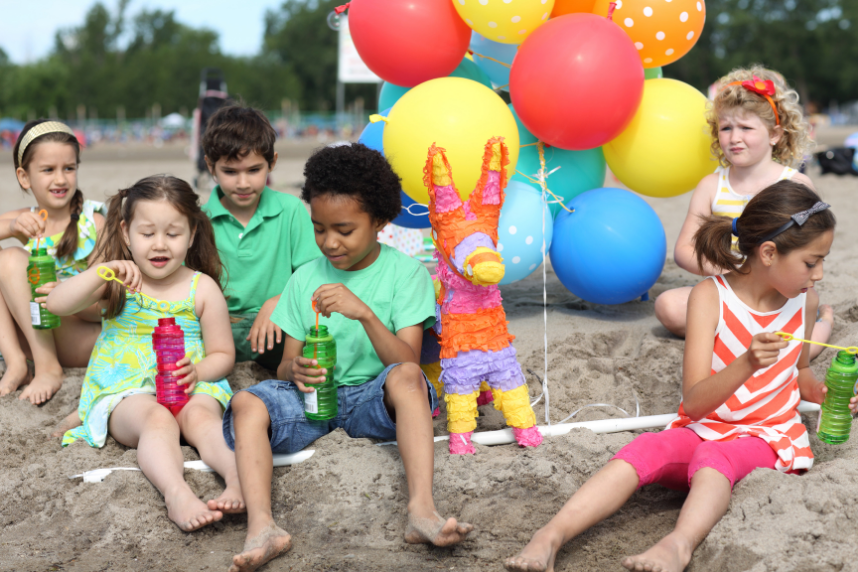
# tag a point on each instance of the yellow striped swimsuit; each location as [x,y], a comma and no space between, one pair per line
[728,203]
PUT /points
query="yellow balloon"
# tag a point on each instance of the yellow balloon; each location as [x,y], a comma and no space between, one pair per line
[457,114]
[664,151]
[504,21]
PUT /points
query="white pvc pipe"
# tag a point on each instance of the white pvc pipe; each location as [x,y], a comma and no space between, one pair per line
[505,436]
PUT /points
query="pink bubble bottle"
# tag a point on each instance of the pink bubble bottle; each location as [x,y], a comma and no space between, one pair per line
[168,341]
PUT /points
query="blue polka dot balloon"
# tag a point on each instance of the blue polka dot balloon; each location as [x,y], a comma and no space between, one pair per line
[520,230]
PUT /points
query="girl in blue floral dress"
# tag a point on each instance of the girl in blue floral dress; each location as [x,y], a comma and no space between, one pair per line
[159,243]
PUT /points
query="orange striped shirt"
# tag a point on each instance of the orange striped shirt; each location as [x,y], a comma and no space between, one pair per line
[766,404]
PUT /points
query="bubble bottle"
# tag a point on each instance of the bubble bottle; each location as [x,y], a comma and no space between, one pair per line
[321,404]
[835,419]
[42,268]
[168,341]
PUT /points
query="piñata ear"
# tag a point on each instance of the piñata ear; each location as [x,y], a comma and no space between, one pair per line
[493,178]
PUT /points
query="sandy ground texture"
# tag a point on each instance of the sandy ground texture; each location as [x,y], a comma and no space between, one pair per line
[345,507]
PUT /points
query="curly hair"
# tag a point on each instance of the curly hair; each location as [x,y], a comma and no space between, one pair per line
[790,149]
[356,170]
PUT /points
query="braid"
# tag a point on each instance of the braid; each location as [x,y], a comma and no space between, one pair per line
[68,243]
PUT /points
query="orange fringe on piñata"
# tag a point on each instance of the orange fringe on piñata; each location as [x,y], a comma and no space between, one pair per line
[484,330]
[451,226]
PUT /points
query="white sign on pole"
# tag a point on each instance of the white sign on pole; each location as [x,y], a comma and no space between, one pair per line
[350,67]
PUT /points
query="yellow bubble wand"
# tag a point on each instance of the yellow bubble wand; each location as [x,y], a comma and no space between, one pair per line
[789,337]
[108,275]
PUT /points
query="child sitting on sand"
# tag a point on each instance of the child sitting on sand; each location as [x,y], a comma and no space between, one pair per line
[160,243]
[262,236]
[46,158]
[376,302]
[741,382]
[758,135]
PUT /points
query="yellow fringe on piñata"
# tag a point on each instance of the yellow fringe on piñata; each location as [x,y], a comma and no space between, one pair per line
[515,406]
[461,412]
[433,373]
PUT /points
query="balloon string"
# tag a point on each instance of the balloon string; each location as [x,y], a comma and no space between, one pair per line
[504,86]
[557,198]
[473,53]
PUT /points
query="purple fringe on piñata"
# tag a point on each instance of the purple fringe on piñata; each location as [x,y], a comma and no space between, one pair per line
[464,373]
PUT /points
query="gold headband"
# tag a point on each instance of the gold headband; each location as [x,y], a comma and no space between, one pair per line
[38,131]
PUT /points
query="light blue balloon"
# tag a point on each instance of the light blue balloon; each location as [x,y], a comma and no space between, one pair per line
[520,231]
[391,93]
[499,74]
[373,137]
[579,170]
[611,250]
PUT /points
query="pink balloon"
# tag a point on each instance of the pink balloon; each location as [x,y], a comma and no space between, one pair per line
[407,42]
[576,81]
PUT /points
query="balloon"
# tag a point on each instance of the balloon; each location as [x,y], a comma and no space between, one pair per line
[611,250]
[507,22]
[571,6]
[520,231]
[665,150]
[662,32]
[391,93]
[653,73]
[457,114]
[373,136]
[498,74]
[576,82]
[407,43]
[579,170]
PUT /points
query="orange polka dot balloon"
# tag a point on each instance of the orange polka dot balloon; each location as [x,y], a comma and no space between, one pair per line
[662,30]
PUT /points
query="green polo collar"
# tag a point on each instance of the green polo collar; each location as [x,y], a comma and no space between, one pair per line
[268,206]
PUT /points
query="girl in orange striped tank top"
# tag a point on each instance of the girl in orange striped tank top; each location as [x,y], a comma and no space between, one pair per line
[741,382]
[759,136]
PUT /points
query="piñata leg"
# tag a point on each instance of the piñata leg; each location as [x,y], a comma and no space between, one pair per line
[461,376]
[513,400]
[485,396]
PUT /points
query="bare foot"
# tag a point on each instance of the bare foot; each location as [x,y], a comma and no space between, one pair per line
[16,375]
[71,421]
[435,530]
[538,555]
[826,314]
[43,387]
[267,545]
[669,555]
[190,513]
[230,501]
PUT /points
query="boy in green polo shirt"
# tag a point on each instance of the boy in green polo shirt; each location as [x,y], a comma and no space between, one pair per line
[262,236]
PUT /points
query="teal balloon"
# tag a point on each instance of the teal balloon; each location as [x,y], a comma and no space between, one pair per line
[390,92]
[579,171]
[653,73]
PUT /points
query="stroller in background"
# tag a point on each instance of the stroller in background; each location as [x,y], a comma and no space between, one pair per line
[213,96]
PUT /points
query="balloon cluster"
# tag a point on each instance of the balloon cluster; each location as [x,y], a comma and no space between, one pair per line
[584,78]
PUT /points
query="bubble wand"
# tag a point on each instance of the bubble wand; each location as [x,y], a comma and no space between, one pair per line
[789,337]
[108,275]
[317,327]
[43,214]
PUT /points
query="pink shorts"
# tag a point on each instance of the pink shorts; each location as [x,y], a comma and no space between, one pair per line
[670,458]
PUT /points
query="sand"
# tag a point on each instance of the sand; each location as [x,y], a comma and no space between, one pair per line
[345,507]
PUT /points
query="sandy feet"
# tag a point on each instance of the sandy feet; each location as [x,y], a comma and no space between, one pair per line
[190,513]
[43,386]
[669,555]
[538,555]
[267,545]
[230,502]
[435,530]
[71,421]
[14,377]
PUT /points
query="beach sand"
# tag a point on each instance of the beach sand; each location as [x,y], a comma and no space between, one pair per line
[345,507]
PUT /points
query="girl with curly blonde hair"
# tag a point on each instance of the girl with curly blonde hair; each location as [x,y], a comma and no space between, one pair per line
[759,136]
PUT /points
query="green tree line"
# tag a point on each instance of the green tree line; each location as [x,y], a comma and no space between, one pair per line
[814,43]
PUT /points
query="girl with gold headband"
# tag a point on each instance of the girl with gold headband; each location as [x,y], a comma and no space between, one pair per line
[46,158]
[759,136]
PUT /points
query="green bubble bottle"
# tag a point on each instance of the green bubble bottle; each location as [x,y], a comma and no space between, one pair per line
[835,420]
[321,404]
[41,270]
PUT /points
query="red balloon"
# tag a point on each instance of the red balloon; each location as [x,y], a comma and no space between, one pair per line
[576,81]
[407,42]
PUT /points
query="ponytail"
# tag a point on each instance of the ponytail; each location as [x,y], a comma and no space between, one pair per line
[68,243]
[111,246]
[762,220]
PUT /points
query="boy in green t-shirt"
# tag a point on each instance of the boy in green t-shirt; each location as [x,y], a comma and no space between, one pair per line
[376,302]
[262,236]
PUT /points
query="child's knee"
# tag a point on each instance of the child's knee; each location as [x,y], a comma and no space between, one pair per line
[406,376]
[244,404]
[13,259]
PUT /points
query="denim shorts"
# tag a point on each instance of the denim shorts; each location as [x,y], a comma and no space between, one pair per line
[360,412]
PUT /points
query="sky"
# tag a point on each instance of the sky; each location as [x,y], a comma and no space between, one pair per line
[27,28]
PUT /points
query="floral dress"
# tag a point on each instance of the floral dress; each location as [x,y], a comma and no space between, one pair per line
[123,362]
[73,265]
